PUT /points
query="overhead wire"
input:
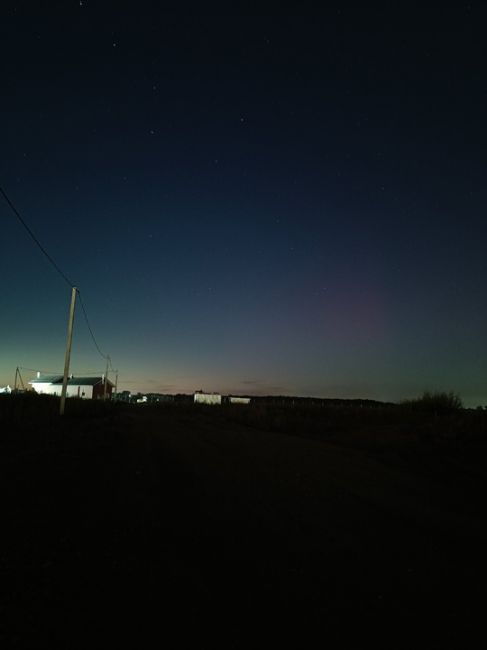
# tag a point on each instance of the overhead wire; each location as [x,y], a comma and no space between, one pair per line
[58,269]
[86,373]
[34,238]
[83,309]
[44,372]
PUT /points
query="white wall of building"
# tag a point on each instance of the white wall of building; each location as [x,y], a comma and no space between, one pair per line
[77,391]
[207,398]
[55,389]
[239,400]
[46,389]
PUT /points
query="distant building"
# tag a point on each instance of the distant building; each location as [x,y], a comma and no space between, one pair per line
[239,400]
[83,387]
[158,398]
[207,398]
[123,396]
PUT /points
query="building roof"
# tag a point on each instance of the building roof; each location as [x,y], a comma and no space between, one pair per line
[85,381]
[46,379]
[72,381]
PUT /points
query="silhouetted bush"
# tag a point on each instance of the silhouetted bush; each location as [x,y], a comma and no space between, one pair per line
[438,403]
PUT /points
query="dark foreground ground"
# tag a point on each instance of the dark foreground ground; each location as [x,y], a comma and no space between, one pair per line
[187,527]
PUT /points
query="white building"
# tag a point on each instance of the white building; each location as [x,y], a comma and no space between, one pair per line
[84,387]
[207,398]
[239,400]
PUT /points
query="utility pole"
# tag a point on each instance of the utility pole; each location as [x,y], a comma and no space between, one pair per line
[106,380]
[18,377]
[67,356]
[116,382]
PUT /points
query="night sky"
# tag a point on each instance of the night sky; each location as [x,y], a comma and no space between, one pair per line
[249,203]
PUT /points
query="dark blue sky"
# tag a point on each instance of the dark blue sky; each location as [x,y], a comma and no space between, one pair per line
[258,203]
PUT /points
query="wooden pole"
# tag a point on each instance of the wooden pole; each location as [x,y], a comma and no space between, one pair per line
[67,356]
[106,380]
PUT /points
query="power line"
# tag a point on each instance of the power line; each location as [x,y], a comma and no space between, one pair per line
[61,273]
[37,242]
[45,372]
[86,373]
[105,356]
